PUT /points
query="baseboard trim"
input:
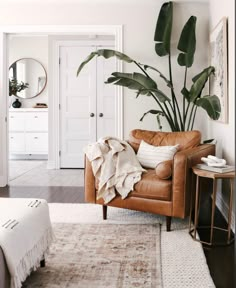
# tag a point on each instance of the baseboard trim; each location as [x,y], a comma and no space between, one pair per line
[224,209]
[28,157]
[3,182]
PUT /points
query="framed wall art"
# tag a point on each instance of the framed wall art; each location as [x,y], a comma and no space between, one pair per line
[219,58]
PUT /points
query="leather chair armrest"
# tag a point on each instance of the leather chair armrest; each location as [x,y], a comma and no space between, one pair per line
[89,182]
[182,176]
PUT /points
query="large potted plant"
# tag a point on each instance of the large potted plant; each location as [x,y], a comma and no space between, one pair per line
[168,104]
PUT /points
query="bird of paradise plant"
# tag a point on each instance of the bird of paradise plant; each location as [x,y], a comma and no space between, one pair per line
[178,118]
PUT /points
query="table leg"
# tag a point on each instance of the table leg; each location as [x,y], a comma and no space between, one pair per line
[196,207]
[191,203]
[213,208]
[230,209]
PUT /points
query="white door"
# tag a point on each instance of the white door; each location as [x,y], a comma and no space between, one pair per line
[87,104]
[78,105]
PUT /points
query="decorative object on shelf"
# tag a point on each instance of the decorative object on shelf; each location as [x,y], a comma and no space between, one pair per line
[215,164]
[31,72]
[16,104]
[224,169]
[40,105]
[218,59]
[15,86]
[213,161]
[168,106]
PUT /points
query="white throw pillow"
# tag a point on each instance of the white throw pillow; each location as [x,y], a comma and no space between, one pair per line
[149,156]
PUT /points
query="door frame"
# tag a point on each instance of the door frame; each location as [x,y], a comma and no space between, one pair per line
[28,30]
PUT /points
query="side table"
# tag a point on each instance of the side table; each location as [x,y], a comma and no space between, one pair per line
[215,176]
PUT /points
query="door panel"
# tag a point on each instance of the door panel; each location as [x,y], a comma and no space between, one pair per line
[106,94]
[78,100]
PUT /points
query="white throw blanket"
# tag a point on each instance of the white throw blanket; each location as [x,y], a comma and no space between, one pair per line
[25,235]
[115,165]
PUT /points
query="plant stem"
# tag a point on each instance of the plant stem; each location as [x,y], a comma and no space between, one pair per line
[194,115]
[190,116]
[172,92]
[168,118]
[140,67]
[175,104]
[186,114]
[167,112]
[185,79]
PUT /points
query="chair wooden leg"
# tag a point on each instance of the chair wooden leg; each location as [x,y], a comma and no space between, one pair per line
[42,263]
[168,223]
[104,212]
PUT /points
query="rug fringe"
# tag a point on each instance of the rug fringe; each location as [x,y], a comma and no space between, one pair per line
[31,261]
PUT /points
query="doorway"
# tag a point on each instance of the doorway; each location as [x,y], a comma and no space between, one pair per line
[28,106]
[54,99]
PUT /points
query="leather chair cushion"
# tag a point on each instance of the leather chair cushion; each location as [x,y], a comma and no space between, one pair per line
[186,139]
[152,187]
[164,169]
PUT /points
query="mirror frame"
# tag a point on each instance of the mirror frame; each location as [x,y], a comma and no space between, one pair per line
[46,77]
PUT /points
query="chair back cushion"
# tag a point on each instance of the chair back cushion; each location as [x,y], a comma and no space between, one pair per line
[186,139]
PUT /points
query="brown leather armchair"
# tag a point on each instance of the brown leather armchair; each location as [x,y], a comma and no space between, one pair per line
[169,197]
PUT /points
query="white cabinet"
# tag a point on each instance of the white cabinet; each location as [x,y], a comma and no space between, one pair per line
[28,131]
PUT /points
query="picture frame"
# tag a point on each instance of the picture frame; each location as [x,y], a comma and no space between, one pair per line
[218,84]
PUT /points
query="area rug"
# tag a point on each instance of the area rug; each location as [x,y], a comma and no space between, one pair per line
[99,256]
[79,256]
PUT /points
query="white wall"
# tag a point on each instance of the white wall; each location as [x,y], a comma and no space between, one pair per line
[138,19]
[225,133]
[30,47]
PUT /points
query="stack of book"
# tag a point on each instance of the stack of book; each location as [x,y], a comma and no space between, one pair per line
[224,169]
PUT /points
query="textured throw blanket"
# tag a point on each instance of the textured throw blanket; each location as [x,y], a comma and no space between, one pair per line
[115,165]
[25,235]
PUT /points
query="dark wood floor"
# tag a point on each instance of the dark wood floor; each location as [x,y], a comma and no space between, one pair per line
[220,259]
[53,194]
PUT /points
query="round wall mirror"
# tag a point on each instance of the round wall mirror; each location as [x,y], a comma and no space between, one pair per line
[27,78]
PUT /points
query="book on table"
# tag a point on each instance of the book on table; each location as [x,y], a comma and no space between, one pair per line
[224,169]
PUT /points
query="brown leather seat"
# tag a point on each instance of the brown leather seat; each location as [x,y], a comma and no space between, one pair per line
[152,187]
[169,197]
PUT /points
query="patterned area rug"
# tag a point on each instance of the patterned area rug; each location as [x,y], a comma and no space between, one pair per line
[182,260]
[99,256]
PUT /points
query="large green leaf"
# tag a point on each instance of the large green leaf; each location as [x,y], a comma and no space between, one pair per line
[163,29]
[211,104]
[106,53]
[187,43]
[134,81]
[199,82]
[161,75]
[158,113]
[158,93]
[209,70]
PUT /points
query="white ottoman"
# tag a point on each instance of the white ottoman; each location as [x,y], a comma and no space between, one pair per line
[25,235]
